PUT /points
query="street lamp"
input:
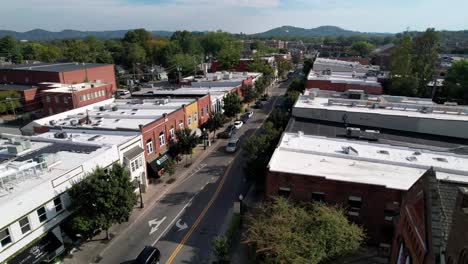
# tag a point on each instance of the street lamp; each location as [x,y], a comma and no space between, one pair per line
[138,181]
[241,197]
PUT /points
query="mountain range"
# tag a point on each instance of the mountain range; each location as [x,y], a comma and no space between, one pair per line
[323,31]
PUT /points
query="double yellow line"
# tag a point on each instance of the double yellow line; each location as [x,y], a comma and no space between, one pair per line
[200,217]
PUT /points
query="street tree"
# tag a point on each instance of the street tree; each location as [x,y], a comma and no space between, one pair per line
[215,122]
[261,85]
[186,141]
[308,65]
[250,93]
[10,49]
[9,101]
[284,66]
[232,105]
[101,200]
[456,82]
[259,65]
[214,42]
[402,80]
[229,56]
[221,248]
[284,232]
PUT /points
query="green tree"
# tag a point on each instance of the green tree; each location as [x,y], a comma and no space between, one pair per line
[188,43]
[403,82]
[214,42]
[10,49]
[362,48]
[101,200]
[9,101]
[456,82]
[229,56]
[221,248]
[308,65]
[290,99]
[284,232]
[250,93]
[284,66]
[78,51]
[297,85]
[135,54]
[187,63]
[425,49]
[261,85]
[186,141]
[215,122]
[260,65]
[232,105]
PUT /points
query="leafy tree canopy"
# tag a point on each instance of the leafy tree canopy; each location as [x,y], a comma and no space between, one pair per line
[232,104]
[284,232]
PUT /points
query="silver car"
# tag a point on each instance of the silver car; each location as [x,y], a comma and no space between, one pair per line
[232,145]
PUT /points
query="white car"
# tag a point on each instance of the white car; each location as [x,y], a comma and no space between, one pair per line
[238,124]
[123,92]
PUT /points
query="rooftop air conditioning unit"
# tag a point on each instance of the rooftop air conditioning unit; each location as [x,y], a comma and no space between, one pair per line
[60,135]
[74,122]
[52,122]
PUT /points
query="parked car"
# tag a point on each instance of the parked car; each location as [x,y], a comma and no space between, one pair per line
[232,145]
[238,124]
[122,92]
[230,130]
[265,97]
[149,255]
[258,105]
[249,114]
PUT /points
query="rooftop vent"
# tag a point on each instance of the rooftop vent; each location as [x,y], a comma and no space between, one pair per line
[417,153]
[61,134]
[441,159]
[95,138]
[411,158]
[350,151]
[384,152]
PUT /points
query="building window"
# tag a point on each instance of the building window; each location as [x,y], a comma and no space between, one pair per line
[135,165]
[58,204]
[189,120]
[149,146]
[41,213]
[171,133]
[202,112]
[162,139]
[88,97]
[81,98]
[65,100]
[47,99]
[57,99]
[284,191]
[26,80]
[195,116]
[318,197]
[181,125]
[24,224]
[5,237]
[355,204]
[140,161]
[207,110]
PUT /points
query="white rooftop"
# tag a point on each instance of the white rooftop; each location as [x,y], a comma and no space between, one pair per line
[342,66]
[70,88]
[44,165]
[186,90]
[344,77]
[376,164]
[382,105]
[126,114]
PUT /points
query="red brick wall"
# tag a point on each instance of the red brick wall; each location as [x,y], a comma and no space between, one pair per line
[28,77]
[341,87]
[411,226]
[203,102]
[72,99]
[374,199]
[104,73]
[151,132]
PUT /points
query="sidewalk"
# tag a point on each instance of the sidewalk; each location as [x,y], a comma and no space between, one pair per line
[89,252]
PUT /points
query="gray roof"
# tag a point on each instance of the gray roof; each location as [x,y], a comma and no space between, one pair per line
[16,87]
[132,153]
[52,67]
[58,147]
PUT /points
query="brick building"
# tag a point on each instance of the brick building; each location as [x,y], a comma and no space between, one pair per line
[57,98]
[457,244]
[31,75]
[369,180]
[342,81]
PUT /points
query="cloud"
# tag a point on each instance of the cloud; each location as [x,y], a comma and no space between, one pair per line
[234,3]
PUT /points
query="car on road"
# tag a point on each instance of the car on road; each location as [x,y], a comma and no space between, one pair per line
[248,114]
[149,255]
[238,124]
[258,105]
[265,97]
[228,133]
[232,145]
[122,92]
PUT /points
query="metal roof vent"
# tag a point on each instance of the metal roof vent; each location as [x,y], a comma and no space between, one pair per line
[349,150]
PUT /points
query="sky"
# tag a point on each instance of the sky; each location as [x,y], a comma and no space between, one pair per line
[247,16]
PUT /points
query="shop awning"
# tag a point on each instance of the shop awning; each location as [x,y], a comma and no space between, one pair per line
[42,249]
[156,164]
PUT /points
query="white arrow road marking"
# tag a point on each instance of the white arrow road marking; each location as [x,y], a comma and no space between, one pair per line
[181,226]
[154,224]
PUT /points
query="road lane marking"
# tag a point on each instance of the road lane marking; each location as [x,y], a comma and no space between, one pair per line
[213,198]
[200,217]
[180,225]
[154,224]
[173,220]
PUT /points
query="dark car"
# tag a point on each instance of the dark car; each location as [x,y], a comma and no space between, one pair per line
[258,105]
[246,116]
[149,255]
[230,130]
[265,97]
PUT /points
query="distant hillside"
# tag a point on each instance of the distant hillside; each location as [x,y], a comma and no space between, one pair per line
[40,34]
[323,31]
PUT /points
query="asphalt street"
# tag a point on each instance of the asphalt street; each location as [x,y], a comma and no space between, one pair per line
[185,221]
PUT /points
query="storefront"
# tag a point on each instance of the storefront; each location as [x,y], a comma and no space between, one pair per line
[45,249]
[156,166]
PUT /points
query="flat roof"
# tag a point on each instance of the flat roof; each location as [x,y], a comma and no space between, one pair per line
[39,171]
[406,108]
[376,164]
[344,77]
[70,88]
[193,91]
[52,67]
[122,114]
[16,87]
[340,65]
